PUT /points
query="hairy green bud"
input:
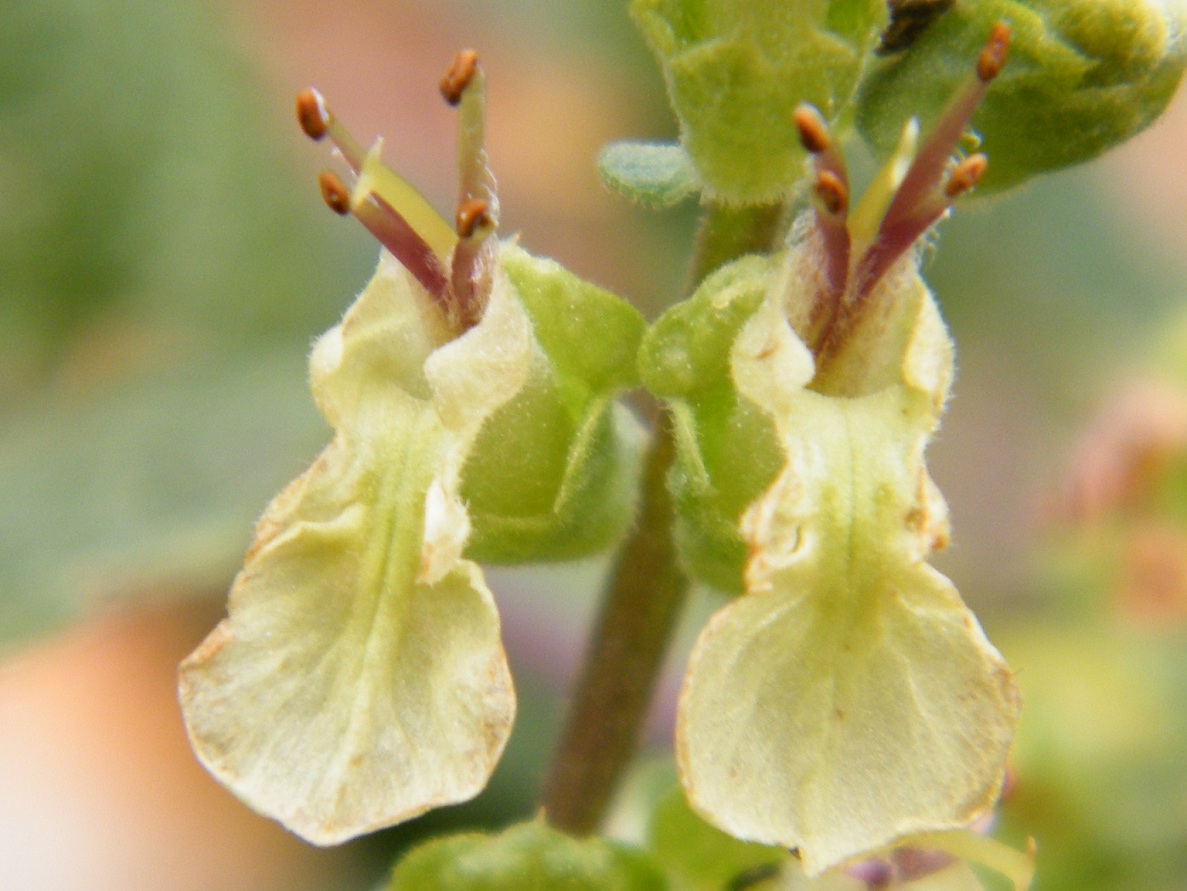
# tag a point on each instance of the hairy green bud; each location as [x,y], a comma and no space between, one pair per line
[735,71]
[1083,76]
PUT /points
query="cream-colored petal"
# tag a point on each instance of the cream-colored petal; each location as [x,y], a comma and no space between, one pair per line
[838,733]
[470,379]
[345,691]
[849,699]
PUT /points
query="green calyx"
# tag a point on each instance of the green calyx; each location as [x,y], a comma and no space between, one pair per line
[727,453]
[552,474]
[735,71]
[1082,77]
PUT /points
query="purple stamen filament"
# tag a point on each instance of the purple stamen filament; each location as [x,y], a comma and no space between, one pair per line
[925,194]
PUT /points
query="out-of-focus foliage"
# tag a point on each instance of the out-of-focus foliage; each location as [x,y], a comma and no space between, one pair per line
[159,282]
[1099,761]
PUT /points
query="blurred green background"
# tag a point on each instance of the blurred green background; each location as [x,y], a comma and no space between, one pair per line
[165,262]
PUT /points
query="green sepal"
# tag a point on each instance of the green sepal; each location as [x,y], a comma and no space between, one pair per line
[552,474]
[727,452]
[1081,77]
[702,857]
[527,857]
[657,174]
[735,71]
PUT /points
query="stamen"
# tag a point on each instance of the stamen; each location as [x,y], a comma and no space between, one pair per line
[993,56]
[318,122]
[459,75]
[470,216]
[818,141]
[312,114]
[910,193]
[833,193]
[966,175]
[334,193]
[831,189]
[922,199]
[464,85]
[393,232]
[814,133]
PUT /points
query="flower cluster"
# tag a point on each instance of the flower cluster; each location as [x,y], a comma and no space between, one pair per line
[844,703]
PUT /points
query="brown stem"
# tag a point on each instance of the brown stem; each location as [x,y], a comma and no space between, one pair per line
[645,592]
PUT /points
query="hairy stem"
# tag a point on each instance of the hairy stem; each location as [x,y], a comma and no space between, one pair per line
[644,595]
[728,232]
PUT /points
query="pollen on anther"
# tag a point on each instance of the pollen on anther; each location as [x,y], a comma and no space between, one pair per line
[814,135]
[334,192]
[966,175]
[312,114]
[993,56]
[459,75]
[832,192]
[470,216]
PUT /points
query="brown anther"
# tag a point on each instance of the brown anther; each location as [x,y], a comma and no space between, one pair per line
[334,192]
[966,175]
[832,192]
[814,135]
[459,75]
[993,56]
[312,114]
[470,216]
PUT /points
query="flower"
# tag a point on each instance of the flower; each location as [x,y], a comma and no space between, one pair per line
[848,700]
[359,678]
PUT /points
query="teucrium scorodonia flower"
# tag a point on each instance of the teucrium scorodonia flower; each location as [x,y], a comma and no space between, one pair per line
[848,699]
[359,678]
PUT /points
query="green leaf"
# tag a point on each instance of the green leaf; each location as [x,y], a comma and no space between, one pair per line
[1081,77]
[655,174]
[528,857]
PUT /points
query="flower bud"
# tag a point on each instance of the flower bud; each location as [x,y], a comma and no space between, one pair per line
[735,70]
[1083,76]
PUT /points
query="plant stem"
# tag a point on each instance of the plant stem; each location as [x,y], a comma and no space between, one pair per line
[645,592]
[728,232]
